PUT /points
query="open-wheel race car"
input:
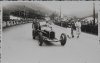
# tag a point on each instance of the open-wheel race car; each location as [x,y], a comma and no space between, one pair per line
[46,33]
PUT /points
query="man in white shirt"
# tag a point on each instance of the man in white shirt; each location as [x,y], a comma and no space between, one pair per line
[78,28]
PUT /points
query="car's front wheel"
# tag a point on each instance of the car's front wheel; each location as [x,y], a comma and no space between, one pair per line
[63,39]
[40,39]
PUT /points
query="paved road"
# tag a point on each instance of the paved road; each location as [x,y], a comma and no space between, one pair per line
[19,47]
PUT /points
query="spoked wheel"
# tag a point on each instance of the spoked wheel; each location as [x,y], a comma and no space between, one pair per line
[33,34]
[63,39]
[40,39]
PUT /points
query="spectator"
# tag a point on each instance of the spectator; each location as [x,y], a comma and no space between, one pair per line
[72,29]
[78,28]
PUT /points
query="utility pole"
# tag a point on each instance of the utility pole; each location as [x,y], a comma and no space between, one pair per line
[93,13]
[24,14]
[60,13]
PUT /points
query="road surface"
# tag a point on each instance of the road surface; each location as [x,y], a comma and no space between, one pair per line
[19,47]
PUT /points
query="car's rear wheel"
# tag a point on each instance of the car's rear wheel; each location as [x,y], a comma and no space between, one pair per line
[40,39]
[63,39]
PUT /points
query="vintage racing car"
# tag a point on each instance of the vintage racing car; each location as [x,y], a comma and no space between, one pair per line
[46,33]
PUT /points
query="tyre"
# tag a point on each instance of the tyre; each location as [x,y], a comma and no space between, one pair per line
[40,39]
[63,39]
[33,34]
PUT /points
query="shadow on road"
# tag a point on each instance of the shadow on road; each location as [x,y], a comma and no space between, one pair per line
[52,44]
[47,43]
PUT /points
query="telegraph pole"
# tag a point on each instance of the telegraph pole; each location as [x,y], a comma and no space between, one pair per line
[93,13]
[60,13]
[24,12]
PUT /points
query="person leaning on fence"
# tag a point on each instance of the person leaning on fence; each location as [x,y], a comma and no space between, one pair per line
[78,28]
